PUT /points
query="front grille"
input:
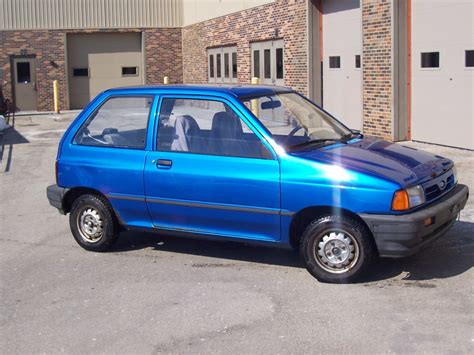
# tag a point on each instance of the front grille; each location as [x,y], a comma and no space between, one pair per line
[433,188]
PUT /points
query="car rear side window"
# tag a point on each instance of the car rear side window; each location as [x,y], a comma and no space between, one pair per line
[120,122]
[206,127]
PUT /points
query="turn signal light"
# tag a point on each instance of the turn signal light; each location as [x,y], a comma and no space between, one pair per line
[400,201]
[410,197]
[429,221]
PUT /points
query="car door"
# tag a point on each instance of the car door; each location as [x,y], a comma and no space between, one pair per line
[211,173]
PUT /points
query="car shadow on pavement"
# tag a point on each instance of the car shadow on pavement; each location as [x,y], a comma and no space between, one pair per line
[224,250]
[450,256]
[8,138]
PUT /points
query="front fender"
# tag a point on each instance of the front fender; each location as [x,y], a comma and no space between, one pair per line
[306,183]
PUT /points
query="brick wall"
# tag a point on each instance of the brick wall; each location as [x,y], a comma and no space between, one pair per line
[163,55]
[162,52]
[285,19]
[377,67]
[48,46]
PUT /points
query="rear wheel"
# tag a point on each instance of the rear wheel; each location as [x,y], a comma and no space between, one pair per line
[336,249]
[93,223]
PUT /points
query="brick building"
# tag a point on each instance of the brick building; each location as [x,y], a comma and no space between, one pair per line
[384,66]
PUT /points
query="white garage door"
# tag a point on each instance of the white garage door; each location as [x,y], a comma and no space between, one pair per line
[442,72]
[342,74]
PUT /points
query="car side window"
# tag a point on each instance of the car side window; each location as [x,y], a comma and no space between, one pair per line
[119,122]
[206,127]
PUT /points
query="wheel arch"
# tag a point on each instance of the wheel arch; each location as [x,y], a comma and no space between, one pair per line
[304,217]
[73,193]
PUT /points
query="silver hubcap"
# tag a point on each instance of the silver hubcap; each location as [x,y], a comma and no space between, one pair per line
[90,225]
[336,251]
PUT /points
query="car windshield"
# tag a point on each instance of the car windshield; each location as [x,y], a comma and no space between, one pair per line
[295,122]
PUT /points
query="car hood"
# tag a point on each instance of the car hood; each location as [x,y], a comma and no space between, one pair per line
[401,164]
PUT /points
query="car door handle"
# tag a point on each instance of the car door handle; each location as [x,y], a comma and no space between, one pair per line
[164,164]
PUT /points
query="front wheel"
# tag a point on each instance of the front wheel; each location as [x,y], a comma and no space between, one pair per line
[93,223]
[336,249]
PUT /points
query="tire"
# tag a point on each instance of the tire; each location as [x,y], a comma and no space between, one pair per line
[93,223]
[336,249]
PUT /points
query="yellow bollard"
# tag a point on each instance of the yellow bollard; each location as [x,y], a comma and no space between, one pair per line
[56,96]
[254,103]
[166,80]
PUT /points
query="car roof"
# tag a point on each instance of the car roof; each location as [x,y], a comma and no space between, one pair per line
[240,91]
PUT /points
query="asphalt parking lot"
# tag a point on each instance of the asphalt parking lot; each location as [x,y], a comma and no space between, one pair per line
[160,294]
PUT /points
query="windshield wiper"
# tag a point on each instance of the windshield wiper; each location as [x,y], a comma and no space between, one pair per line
[344,139]
[313,142]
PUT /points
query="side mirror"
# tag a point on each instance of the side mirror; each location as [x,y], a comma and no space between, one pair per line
[356,132]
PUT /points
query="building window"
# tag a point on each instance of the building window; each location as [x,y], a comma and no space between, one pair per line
[222,64]
[226,65]
[267,64]
[80,72]
[470,58]
[256,64]
[430,60]
[234,65]
[357,61]
[211,66]
[129,71]
[218,65]
[23,72]
[279,63]
[335,62]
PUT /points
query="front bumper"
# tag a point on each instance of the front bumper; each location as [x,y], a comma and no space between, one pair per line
[55,196]
[403,235]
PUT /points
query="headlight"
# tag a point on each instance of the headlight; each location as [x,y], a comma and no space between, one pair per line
[455,174]
[408,198]
[416,195]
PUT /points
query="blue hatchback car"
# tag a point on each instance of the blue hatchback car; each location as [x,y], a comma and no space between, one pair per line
[251,163]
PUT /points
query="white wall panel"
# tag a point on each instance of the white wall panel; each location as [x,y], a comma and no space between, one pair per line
[201,10]
[342,37]
[442,98]
[64,14]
